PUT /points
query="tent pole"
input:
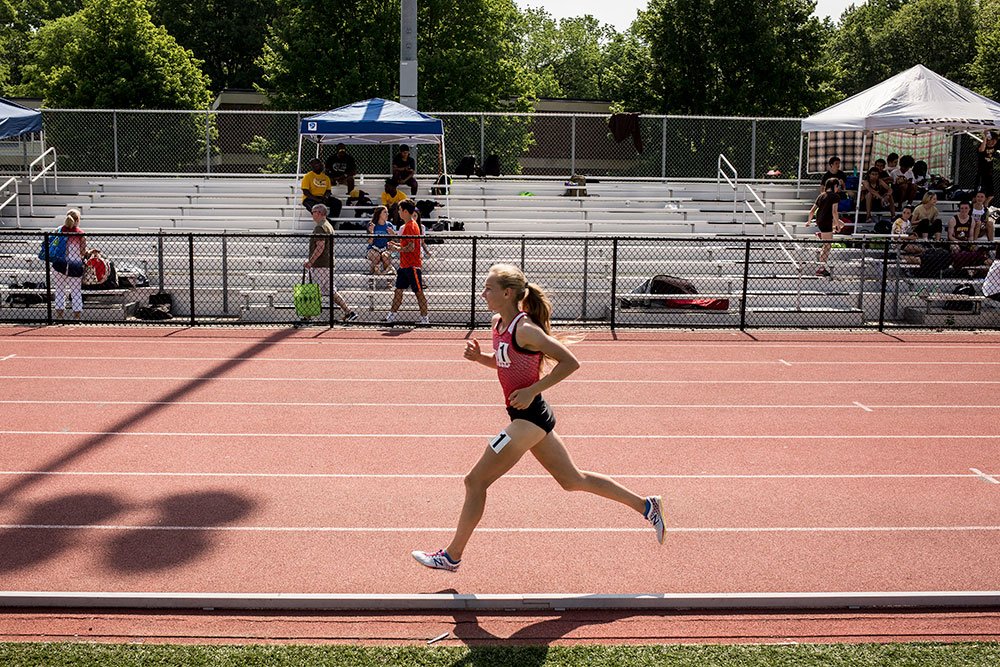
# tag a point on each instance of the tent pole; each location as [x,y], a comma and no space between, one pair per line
[798,180]
[298,162]
[444,170]
[857,202]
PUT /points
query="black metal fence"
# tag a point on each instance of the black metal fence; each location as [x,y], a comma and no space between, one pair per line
[741,282]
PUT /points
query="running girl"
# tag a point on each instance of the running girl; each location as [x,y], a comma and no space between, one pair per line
[521,343]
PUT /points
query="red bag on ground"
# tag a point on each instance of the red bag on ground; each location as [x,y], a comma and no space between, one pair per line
[706,304]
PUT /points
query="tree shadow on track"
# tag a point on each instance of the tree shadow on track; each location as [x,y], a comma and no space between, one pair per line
[135,551]
[140,415]
[54,526]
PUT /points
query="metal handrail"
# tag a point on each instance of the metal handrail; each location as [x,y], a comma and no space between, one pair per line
[45,170]
[747,204]
[734,183]
[14,197]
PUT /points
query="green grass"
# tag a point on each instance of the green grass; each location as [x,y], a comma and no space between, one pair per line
[800,655]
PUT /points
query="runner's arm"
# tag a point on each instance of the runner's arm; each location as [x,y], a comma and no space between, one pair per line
[531,337]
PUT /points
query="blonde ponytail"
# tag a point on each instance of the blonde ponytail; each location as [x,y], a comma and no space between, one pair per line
[72,218]
[536,303]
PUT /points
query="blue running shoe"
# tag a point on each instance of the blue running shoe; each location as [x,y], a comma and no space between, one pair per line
[655,516]
[438,560]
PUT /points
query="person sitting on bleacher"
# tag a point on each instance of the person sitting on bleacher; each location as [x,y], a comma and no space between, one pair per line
[902,229]
[903,188]
[927,218]
[379,232]
[341,168]
[920,179]
[876,195]
[960,228]
[391,196]
[982,224]
[316,190]
[883,174]
[404,167]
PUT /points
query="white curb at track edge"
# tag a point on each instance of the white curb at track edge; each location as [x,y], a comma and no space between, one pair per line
[471,602]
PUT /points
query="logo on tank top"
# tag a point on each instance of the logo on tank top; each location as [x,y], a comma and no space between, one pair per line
[503,355]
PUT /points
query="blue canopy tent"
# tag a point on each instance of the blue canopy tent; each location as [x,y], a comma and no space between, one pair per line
[16,120]
[372,122]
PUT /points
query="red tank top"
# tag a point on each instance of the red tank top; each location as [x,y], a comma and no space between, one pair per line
[517,368]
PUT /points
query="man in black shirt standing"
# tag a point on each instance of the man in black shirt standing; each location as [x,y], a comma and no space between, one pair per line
[341,168]
[403,169]
[984,173]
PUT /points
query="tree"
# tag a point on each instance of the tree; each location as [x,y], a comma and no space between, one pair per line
[566,58]
[466,54]
[110,55]
[983,70]
[628,73]
[881,38]
[19,21]
[227,35]
[747,57]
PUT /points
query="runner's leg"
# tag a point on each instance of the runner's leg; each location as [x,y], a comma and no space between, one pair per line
[491,466]
[551,452]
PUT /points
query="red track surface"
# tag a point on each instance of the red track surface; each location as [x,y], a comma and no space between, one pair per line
[828,462]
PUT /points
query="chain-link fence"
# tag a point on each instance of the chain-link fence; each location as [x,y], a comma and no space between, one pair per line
[603,281]
[532,144]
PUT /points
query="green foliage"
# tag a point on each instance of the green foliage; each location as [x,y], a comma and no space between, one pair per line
[110,55]
[881,38]
[325,53]
[227,35]
[746,57]
[628,73]
[275,161]
[983,69]
[565,57]
[467,54]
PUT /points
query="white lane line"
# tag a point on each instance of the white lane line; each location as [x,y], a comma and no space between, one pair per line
[989,478]
[451,529]
[9,356]
[383,404]
[147,378]
[395,359]
[438,436]
[865,408]
[377,340]
[346,475]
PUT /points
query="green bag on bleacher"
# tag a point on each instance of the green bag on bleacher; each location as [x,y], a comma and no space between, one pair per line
[308,301]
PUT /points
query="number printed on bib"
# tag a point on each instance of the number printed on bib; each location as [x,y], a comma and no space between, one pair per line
[499,442]
[503,355]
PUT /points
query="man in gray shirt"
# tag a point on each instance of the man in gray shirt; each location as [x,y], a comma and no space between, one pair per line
[320,261]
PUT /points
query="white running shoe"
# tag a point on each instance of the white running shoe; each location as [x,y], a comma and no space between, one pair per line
[438,560]
[425,320]
[391,317]
[655,516]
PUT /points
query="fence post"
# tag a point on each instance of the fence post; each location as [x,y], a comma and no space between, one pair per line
[586,270]
[861,277]
[663,155]
[48,282]
[482,138]
[329,287]
[572,145]
[208,143]
[472,301]
[522,253]
[885,275]
[753,149]
[114,137]
[159,258]
[191,274]
[614,280]
[746,279]
[225,273]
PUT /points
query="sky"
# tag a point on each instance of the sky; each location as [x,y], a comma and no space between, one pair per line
[621,13]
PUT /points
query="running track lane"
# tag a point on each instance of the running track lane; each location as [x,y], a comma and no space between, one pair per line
[129,559]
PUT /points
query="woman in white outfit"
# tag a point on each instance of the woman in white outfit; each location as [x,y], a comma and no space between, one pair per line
[76,250]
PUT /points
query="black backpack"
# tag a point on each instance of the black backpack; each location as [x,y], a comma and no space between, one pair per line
[491,167]
[933,262]
[467,167]
[962,306]
[659,284]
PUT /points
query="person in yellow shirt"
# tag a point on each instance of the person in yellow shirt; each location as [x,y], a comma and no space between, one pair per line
[316,190]
[391,195]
